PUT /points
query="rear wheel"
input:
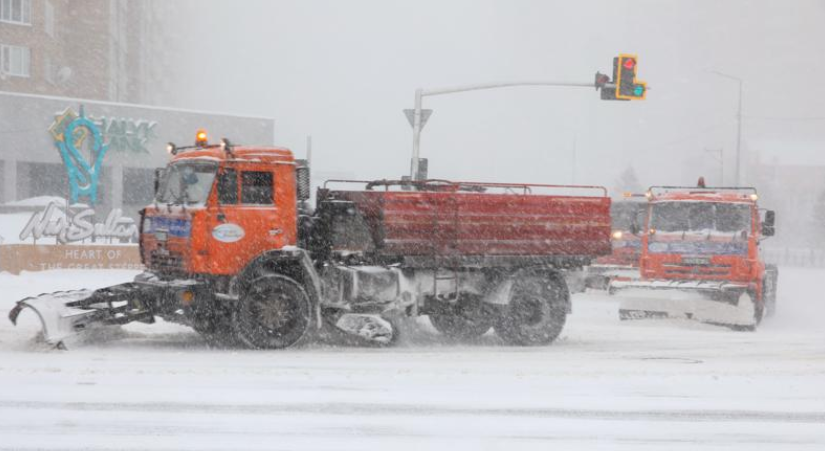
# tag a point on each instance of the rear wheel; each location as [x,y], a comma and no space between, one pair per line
[274,312]
[467,319]
[536,313]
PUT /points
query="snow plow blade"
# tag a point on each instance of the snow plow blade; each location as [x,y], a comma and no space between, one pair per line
[720,303]
[66,314]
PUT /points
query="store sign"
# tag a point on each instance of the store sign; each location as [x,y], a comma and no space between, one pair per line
[126,134]
[70,132]
[53,223]
[16,258]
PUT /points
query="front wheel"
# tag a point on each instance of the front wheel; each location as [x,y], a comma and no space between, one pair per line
[536,313]
[274,312]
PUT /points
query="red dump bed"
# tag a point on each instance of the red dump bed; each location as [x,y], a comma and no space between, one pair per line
[458,219]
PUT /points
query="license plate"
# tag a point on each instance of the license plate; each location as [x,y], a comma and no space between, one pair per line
[695,260]
[160,236]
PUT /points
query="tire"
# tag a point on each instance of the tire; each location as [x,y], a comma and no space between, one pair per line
[467,319]
[536,312]
[274,312]
[769,287]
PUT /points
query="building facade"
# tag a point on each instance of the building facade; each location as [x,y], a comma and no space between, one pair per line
[102,60]
[132,140]
[90,49]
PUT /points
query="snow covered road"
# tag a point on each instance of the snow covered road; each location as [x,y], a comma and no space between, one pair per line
[602,385]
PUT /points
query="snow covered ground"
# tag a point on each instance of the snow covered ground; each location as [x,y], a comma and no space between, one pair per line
[603,385]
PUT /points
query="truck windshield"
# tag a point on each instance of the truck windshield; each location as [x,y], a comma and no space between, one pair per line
[187,182]
[700,217]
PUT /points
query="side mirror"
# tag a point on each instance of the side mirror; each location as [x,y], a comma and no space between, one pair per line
[769,224]
[634,228]
[302,180]
[159,173]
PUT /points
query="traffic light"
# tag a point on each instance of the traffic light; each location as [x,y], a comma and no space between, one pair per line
[624,75]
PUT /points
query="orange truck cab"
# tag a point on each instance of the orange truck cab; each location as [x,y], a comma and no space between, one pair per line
[700,258]
[194,229]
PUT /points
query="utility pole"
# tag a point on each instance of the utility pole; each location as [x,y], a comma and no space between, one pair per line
[738,178]
[721,160]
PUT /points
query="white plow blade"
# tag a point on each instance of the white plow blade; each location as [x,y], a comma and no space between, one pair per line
[743,314]
[59,321]
[706,301]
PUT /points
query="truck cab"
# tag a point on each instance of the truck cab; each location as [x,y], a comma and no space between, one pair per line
[192,228]
[700,251]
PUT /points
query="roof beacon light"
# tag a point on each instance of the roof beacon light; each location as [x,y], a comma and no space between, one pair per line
[171,148]
[201,138]
[754,197]
[701,183]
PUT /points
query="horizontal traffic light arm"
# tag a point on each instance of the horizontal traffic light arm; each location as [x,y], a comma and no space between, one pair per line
[478,87]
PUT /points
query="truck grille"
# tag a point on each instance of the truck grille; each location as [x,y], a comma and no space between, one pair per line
[171,261]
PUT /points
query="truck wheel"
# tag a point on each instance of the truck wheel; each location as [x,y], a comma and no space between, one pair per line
[465,320]
[273,313]
[536,313]
[769,290]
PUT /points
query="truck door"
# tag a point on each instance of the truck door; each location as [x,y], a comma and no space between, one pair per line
[246,221]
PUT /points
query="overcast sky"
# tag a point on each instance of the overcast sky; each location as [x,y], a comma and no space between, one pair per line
[342,71]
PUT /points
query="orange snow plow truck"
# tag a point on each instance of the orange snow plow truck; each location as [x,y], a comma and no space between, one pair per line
[232,250]
[700,258]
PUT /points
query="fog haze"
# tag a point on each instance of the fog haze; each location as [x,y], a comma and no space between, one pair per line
[343,71]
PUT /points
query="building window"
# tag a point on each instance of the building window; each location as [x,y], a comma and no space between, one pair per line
[41,179]
[16,11]
[138,186]
[15,61]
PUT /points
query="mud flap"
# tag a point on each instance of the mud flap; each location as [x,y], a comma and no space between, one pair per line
[57,319]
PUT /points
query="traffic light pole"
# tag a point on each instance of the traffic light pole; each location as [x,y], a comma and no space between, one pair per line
[421,93]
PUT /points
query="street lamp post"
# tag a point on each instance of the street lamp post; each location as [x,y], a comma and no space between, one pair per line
[738,124]
[421,93]
[721,160]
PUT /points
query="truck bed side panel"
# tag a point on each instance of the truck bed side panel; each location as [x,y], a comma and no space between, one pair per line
[455,224]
